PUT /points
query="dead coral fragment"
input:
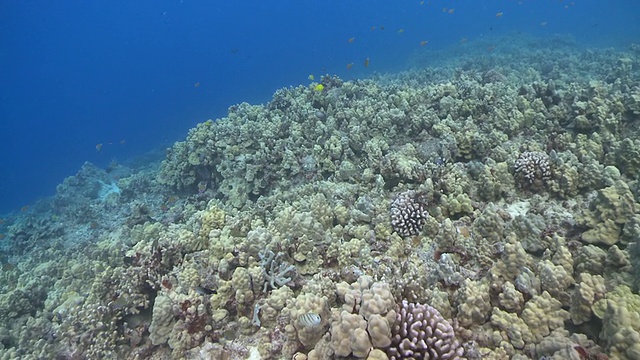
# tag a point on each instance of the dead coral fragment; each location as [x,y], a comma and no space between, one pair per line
[275,271]
[408,213]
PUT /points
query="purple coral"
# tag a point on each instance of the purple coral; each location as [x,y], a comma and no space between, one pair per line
[533,167]
[408,213]
[420,332]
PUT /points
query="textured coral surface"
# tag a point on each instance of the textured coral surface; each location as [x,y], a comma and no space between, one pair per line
[476,208]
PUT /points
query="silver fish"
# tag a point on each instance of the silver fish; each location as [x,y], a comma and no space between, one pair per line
[309,319]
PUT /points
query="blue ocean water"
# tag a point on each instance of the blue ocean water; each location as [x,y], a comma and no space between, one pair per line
[104,81]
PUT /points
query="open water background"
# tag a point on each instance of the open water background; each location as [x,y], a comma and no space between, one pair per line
[131,77]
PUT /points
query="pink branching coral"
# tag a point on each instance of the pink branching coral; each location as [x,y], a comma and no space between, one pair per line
[408,213]
[420,332]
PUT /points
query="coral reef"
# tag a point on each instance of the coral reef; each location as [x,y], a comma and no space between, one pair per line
[500,189]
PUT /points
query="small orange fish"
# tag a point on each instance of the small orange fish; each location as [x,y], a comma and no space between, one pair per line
[197,84]
[499,14]
[423,42]
[349,66]
[351,40]
[24,208]
[98,147]
[366,62]
[400,31]
[451,11]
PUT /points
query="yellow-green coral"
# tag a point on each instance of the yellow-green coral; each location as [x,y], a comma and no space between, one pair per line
[212,218]
[543,314]
[620,314]
[299,308]
[516,330]
[474,303]
[613,206]
[589,288]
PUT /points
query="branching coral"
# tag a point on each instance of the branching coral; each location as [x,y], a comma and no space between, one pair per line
[420,332]
[408,213]
[276,272]
[533,168]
